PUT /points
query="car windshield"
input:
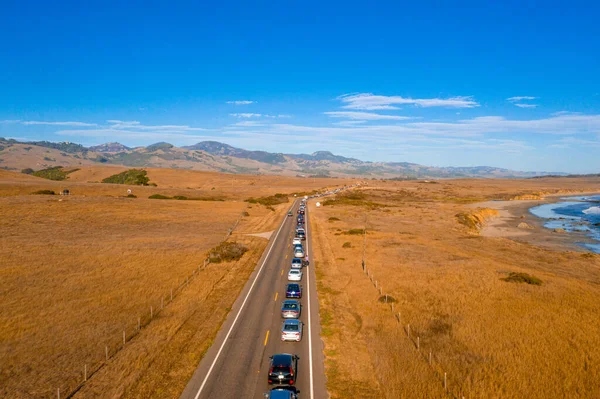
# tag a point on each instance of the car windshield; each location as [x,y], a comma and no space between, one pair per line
[294,271]
[290,306]
[293,287]
[291,327]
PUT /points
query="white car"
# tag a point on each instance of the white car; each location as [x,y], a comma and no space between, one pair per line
[299,252]
[295,275]
[296,241]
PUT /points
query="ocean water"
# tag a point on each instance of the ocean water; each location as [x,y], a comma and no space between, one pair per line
[574,214]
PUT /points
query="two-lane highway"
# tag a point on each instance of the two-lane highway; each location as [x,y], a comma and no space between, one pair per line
[237,364]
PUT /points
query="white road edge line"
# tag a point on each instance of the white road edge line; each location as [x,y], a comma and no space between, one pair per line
[310,359]
[242,308]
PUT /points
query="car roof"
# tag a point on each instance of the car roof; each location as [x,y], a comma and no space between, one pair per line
[293,285]
[295,271]
[296,260]
[292,321]
[290,301]
[282,359]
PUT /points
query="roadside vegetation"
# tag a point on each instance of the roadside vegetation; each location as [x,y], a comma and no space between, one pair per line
[522,278]
[227,252]
[44,192]
[271,200]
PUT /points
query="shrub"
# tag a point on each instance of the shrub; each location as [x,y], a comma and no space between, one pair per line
[227,252]
[354,232]
[137,177]
[55,173]
[131,196]
[387,299]
[27,171]
[245,213]
[158,196]
[347,244]
[522,278]
[270,201]
[180,198]
[334,219]
[44,192]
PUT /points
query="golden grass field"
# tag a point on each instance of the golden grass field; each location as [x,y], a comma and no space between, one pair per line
[494,339]
[78,270]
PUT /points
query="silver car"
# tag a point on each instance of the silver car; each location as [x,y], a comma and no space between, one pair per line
[290,309]
[298,251]
[291,330]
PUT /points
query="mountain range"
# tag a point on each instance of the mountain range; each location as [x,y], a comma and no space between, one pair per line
[220,157]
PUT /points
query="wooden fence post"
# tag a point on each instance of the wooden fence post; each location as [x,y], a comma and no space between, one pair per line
[106,352]
[445,382]
[408,330]
[85,372]
[123,337]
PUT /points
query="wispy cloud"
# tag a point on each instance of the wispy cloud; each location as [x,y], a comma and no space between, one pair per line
[74,124]
[246,115]
[371,102]
[349,123]
[11,121]
[515,100]
[136,125]
[521,98]
[241,102]
[525,105]
[255,115]
[364,116]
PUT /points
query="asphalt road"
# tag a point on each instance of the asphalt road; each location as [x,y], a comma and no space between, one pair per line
[236,365]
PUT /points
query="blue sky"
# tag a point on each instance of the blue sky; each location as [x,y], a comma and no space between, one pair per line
[512,84]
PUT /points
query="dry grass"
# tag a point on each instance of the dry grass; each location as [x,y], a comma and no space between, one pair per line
[78,270]
[493,338]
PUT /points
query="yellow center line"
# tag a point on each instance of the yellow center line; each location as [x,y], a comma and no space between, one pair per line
[282,272]
[267,338]
[276,294]
[286,256]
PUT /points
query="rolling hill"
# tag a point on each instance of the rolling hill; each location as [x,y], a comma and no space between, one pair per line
[220,157]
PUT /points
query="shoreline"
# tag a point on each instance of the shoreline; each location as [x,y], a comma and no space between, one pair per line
[513,212]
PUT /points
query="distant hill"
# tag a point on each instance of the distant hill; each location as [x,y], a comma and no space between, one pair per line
[109,147]
[220,157]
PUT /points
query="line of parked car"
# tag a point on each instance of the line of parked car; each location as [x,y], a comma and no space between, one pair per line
[283,368]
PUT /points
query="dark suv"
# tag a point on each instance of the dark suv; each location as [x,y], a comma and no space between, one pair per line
[293,290]
[282,370]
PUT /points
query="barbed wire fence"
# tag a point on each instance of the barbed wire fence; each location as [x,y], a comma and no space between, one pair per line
[412,333]
[111,347]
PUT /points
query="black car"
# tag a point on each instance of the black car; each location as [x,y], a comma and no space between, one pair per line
[282,370]
[294,290]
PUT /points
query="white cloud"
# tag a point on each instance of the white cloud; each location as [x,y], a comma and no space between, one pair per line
[363,115]
[255,115]
[241,102]
[246,115]
[369,101]
[11,121]
[520,98]
[349,123]
[135,125]
[74,124]
[525,105]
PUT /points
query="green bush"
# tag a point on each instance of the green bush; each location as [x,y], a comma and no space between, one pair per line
[27,171]
[44,192]
[347,244]
[137,177]
[245,214]
[131,196]
[334,219]
[159,196]
[54,173]
[270,200]
[227,252]
[180,198]
[522,278]
[354,232]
